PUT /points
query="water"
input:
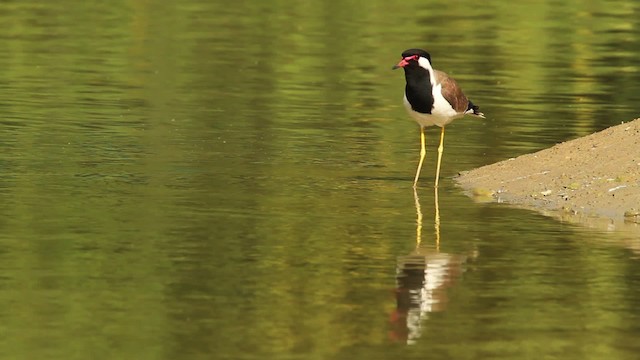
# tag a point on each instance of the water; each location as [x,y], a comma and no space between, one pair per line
[211,180]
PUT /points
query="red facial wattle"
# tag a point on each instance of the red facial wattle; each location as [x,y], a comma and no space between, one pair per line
[405,61]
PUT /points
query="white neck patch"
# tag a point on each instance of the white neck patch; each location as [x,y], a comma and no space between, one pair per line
[425,64]
[422,61]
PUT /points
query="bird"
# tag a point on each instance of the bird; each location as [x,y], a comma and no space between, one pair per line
[431,97]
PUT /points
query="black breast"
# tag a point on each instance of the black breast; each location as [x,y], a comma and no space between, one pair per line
[418,89]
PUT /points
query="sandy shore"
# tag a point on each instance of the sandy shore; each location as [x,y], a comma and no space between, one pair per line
[593,180]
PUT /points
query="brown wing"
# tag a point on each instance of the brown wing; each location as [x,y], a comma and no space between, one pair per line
[452,92]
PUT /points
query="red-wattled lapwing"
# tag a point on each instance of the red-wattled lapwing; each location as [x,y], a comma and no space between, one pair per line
[432,98]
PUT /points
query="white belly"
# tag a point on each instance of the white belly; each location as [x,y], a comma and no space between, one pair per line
[441,114]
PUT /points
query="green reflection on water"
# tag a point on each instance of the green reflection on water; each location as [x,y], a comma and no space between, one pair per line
[198,180]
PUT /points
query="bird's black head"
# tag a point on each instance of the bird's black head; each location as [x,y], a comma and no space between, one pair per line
[419,52]
[410,58]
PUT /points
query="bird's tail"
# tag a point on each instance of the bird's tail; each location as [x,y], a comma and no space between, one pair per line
[474,110]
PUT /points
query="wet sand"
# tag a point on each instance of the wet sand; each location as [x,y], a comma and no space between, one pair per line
[594,180]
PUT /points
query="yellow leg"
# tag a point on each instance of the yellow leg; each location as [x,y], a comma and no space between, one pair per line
[436,222]
[423,152]
[418,219]
[440,150]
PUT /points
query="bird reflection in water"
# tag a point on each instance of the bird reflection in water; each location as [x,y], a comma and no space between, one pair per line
[422,279]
